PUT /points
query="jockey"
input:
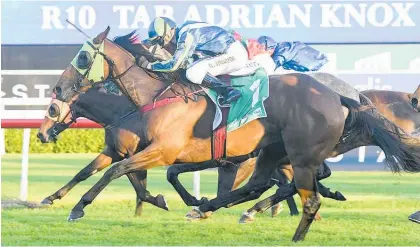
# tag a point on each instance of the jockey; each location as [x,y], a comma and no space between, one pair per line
[294,55]
[205,50]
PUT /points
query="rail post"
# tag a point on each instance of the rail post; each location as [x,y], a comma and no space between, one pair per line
[25,163]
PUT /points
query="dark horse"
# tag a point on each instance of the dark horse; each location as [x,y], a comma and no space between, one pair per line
[304,123]
[120,120]
[120,139]
[394,106]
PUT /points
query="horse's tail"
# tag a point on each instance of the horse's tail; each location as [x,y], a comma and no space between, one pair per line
[401,150]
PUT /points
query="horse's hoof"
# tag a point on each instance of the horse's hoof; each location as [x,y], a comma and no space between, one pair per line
[196,214]
[47,202]
[339,196]
[162,202]
[276,209]
[246,218]
[75,215]
[415,217]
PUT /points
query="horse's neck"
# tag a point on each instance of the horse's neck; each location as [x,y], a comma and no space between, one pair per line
[106,109]
[132,80]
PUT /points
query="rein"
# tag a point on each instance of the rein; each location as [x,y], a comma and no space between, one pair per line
[126,116]
[149,107]
[166,101]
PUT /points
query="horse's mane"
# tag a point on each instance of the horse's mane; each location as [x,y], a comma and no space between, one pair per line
[132,43]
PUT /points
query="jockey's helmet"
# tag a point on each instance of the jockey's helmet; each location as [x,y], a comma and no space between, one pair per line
[161,30]
[268,42]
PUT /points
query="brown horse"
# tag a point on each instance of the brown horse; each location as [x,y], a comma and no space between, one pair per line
[304,123]
[399,107]
[121,139]
[414,99]
[121,122]
[117,114]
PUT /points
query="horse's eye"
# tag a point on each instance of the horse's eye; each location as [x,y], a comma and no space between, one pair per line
[84,60]
[57,91]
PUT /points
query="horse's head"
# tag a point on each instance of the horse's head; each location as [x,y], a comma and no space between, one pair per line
[88,67]
[91,65]
[99,59]
[98,104]
[59,116]
[414,100]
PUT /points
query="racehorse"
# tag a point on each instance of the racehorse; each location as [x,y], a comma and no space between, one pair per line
[120,143]
[302,114]
[399,107]
[414,99]
[117,114]
[395,106]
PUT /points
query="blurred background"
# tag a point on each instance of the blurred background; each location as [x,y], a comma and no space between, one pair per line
[371,45]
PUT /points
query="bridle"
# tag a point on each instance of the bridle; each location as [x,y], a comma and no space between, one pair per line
[111,67]
[54,132]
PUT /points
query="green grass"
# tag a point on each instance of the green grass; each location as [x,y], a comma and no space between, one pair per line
[375,214]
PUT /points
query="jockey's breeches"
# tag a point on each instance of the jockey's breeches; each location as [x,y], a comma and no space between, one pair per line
[235,58]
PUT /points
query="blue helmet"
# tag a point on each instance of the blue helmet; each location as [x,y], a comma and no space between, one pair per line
[267,42]
[159,27]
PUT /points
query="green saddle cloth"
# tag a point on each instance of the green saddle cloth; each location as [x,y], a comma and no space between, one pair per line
[250,106]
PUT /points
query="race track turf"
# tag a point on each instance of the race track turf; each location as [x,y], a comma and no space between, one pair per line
[375,214]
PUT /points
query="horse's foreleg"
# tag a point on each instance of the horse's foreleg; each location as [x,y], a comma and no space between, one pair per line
[102,161]
[172,177]
[139,181]
[257,184]
[150,157]
[306,185]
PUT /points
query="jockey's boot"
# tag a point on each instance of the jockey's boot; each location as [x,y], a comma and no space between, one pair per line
[229,94]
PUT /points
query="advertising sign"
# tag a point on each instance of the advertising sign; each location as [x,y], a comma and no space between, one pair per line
[43,22]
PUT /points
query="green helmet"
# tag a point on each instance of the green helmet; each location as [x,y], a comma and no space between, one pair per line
[159,28]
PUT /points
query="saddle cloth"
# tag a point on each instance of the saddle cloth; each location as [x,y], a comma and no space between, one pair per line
[250,106]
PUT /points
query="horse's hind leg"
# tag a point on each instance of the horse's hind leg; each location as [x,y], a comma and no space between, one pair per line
[172,177]
[139,181]
[305,182]
[257,184]
[287,173]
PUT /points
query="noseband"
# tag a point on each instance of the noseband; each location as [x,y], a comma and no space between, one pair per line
[111,67]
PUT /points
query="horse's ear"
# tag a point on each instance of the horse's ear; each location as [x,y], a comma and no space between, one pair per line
[101,37]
